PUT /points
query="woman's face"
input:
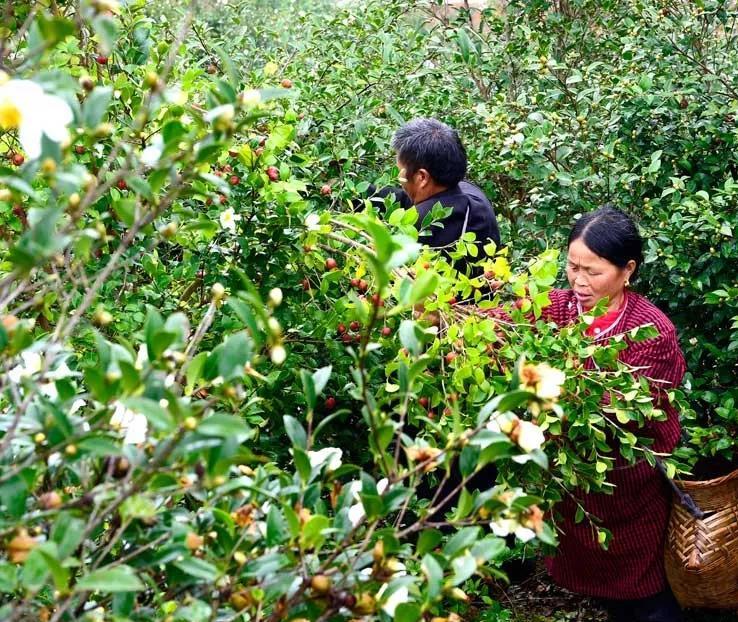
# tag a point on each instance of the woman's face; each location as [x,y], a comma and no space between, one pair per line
[593,278]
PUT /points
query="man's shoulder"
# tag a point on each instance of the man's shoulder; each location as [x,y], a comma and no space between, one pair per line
[474,193]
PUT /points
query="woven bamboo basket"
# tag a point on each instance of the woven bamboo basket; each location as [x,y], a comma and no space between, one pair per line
[701,556]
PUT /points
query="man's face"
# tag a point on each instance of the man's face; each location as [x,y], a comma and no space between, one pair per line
[412,183]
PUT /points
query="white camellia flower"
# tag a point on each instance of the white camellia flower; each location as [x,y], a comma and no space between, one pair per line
[24,106]
[312,222]
[543,380]
[529,436]
[503,423]
[151,155]
[228,219]
[505,526]
[32,363]
[132,423]
[330,456]
[398,597]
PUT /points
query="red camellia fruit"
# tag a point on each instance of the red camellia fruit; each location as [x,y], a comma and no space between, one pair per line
[363,286]
[354,325]
[122,185]
[234,180]
[102,59]
[423,401]
[386,331]
[331,264]
[17,159]
[340,329]
[227,168]
[330,403]
[273,173]
[223,199]
[452,300]
[377,300]
[306,285]
[79,149]
[450,357]
[355,283]
[346,338]
[519,303]
[286,83]
[325,190]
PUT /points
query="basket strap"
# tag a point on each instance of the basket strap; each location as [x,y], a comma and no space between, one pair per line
[685,499]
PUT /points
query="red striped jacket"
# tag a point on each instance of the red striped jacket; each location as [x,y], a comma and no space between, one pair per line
[637,512]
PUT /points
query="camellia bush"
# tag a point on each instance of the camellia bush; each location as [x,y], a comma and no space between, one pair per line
[229,393]
[563,107]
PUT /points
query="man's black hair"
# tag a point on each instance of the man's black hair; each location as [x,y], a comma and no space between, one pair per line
[434,146]
[612,235]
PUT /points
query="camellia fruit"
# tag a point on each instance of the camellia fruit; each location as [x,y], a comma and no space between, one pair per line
[122,185]
[320,584]
[331,264]
[286,83]
[386,331]
[101,59]
[325,190]
[330,403]
[273,173]
[18,159]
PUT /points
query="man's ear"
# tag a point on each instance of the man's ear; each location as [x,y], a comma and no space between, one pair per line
[424,177]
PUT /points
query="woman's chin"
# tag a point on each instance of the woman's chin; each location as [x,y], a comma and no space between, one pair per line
[586,301]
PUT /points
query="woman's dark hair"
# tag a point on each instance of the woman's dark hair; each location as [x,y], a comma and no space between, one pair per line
[612,235]
[434,146]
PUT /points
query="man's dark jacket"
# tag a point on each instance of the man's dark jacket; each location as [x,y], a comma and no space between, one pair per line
[471,212]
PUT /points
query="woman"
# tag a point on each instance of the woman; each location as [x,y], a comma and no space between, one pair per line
[604,254]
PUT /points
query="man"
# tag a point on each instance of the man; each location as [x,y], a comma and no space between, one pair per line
[432,163]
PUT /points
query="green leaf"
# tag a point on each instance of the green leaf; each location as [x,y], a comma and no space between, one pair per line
[96,103]
[321,377]
[35,570]
[407,612]
[433,572]
[8,577]
[469,459]
[408,338]
[429,539]
[224,426]
[276,527]
[461,540]
[67,534]
[312,536]
[295,431]
[197,568]
[463,567]
[119,579]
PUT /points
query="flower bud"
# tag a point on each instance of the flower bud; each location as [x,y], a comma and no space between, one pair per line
[217,292]
[275,297]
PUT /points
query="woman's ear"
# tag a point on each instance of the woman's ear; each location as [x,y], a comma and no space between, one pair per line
[630,269]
